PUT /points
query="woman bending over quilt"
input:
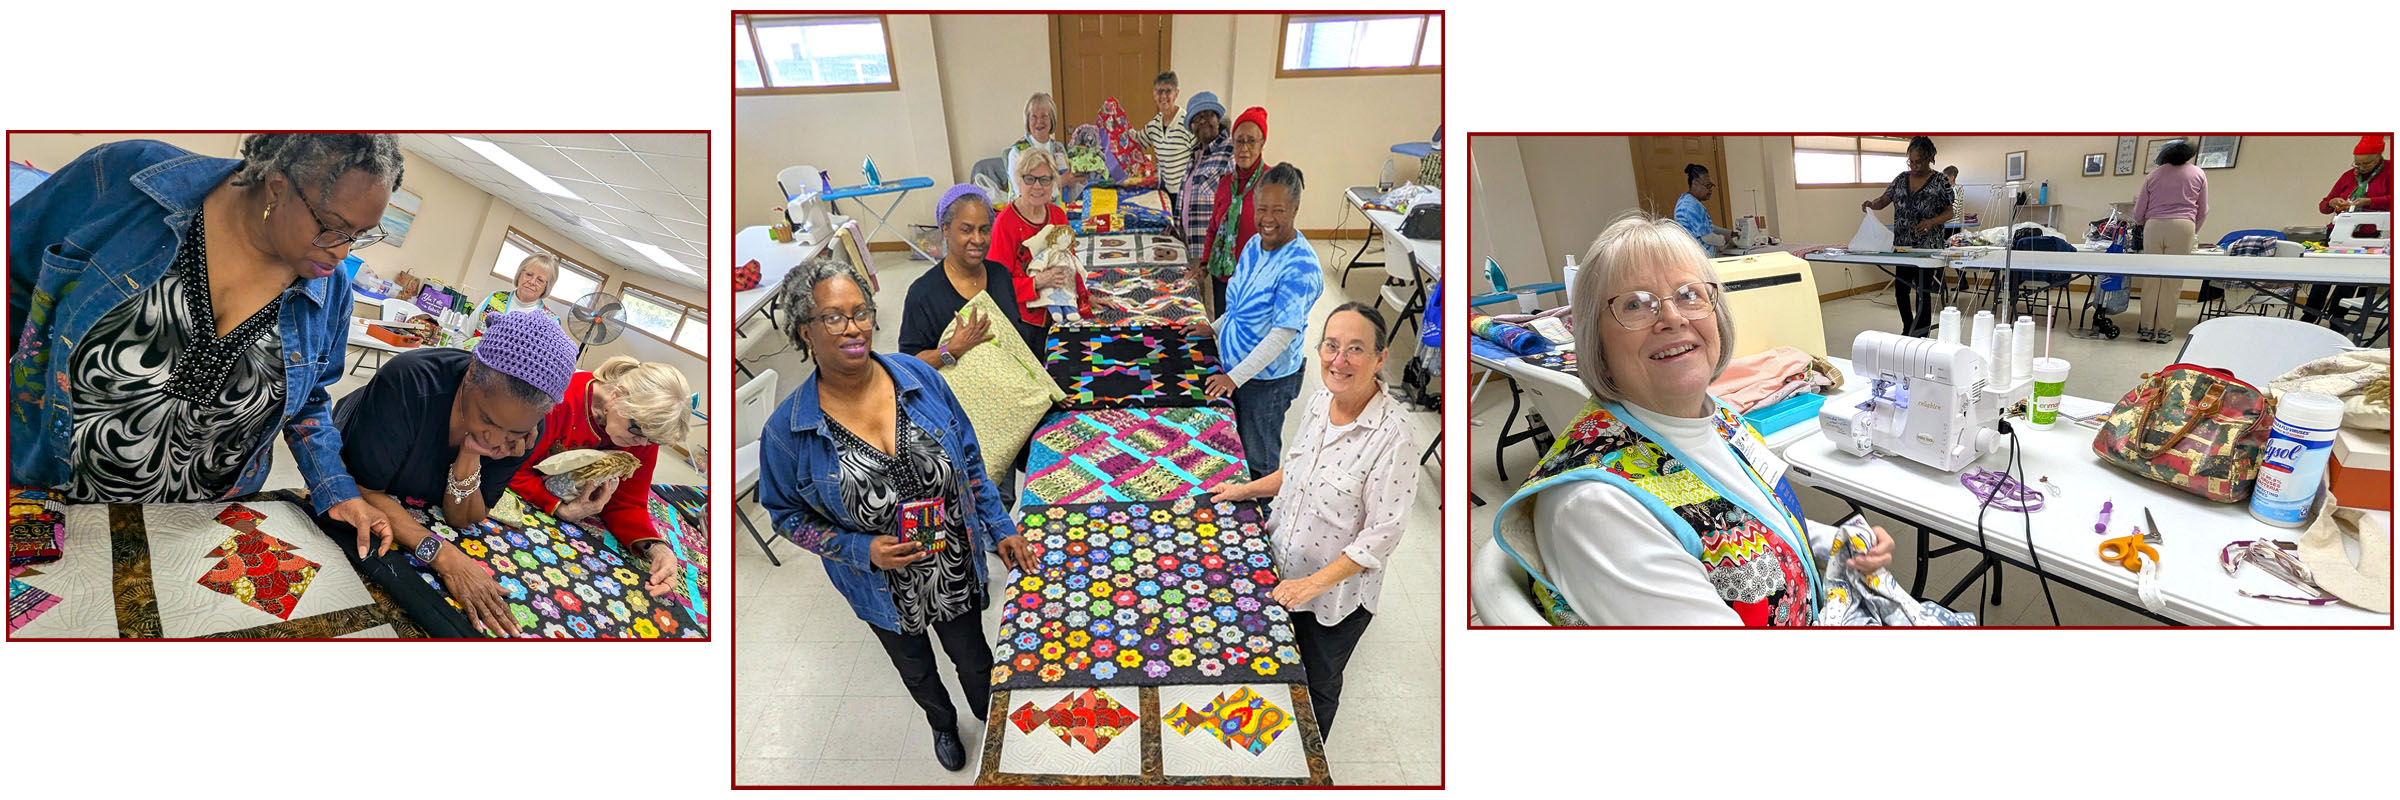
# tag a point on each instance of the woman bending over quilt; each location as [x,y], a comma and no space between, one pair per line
[454,424]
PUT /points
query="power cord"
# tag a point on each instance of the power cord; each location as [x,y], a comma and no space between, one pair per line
[2013,466]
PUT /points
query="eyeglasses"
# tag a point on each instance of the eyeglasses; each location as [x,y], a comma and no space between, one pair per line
[836,321]
[1038,180]
[330,237]
[1349,353]
[1638,310]
[1247,141]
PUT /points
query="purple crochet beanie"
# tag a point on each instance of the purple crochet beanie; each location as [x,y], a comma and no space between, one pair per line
[531,347]
[941,208]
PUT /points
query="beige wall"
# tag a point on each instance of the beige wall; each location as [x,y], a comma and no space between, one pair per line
[455,238]
[1578,183]
[950,112]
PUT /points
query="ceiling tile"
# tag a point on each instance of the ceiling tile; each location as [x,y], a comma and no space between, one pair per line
[687,175]
[662,204]
[693,145]
[599,193]
[614,228]
[511,138]
[694,261]
[548,161]
[639,221]
[619,168]
[687,230]
[599,140]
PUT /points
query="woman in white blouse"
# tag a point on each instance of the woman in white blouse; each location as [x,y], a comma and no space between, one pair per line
[1339,500]
[1659,506]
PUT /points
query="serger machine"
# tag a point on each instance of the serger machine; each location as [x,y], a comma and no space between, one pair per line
[1933,402]
[1749,232]
[2356,229]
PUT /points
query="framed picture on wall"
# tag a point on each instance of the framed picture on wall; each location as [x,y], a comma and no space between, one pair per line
[398,216]
[2151,151]
[2218,152]
[2015,169]
[2094,164]
[2125,155]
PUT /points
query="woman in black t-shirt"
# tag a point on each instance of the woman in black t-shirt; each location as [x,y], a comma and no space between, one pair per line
[965,218]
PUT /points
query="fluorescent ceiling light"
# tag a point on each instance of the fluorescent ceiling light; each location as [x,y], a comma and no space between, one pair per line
[516,166]
[655,254]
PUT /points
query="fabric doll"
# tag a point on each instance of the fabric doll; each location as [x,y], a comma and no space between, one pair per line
[567,475]
[1054,248]
[1131,162]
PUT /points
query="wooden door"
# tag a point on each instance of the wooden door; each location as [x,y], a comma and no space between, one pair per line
[1658,173]
[1097,56]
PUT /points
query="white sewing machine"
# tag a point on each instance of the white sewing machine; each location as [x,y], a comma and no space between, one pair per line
[811,218]
[1749,232]
[1926,400]
[2346,226]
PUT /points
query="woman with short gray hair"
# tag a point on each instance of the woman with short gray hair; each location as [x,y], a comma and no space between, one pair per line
[1660,506]
[535,275]
[1041,133]
[222,318]
[871,446]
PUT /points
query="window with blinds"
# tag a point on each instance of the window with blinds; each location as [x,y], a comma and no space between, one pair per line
[1848,160]
[1360,44]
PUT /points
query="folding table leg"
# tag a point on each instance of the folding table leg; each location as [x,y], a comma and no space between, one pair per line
[764,545]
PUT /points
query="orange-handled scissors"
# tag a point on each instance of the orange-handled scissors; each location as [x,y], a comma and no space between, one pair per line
[2127,550]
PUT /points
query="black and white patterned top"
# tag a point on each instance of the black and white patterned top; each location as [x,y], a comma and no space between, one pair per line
[942,586]
[166,411]
[1910,208]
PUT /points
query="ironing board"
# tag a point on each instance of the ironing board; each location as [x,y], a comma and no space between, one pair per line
[899,190]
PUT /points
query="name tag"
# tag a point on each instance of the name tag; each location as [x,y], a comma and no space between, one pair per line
[1769,466]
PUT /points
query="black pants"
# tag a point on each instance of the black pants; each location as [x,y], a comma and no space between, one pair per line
[969,653]
[1916,318]
[1324,652]
[2327,298]
[1216,291]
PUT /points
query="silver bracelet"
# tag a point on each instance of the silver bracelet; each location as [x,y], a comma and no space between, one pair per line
[461,487]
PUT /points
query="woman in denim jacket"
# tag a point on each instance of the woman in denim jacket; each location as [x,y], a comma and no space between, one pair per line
[178,310]
[871,445]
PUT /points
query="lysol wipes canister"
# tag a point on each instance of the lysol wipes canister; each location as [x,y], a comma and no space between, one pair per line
[2294,465]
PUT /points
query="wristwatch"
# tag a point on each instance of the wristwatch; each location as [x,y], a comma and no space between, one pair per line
[429,548]
[948,360]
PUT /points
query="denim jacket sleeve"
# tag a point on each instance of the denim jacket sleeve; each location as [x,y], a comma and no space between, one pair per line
[39,221]
[315,441]
[781,480]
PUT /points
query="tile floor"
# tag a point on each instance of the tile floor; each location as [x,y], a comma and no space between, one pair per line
[816,700]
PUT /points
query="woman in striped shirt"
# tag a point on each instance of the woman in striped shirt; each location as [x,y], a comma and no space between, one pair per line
[1170,144]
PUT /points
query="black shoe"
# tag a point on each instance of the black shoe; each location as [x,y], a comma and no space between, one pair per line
[948,750]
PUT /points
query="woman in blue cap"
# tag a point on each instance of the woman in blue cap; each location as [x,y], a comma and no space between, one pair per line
[440,422]
[1212,160]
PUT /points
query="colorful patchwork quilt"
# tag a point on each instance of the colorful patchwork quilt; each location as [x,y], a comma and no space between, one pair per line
[259,567]
[1145,295]
[562,582]
[1187,735]
[1132,455]
[1124,366]
[1145,594]
[1561,360]
[680,513]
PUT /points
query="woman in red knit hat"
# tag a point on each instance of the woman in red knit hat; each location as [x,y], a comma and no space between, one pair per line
[2366,187]
[1223,244]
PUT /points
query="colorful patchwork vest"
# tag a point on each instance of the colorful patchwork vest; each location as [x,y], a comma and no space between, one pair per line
[1757,558]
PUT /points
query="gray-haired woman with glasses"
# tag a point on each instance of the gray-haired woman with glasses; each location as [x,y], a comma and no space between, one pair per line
[1660,506]
[1341,496]
[178,310]
[872,465]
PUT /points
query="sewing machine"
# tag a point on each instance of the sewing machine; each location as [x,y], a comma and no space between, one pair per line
[811,217]
[1749,232]
[2346,227]
[1929,401]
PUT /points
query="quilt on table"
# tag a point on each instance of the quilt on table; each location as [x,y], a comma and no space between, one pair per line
[259,567]
[1152,295]
[1144,594]
[1132,455]
[1261,734]
[680,513]
[561,581]
[1560,360]
[1121,366]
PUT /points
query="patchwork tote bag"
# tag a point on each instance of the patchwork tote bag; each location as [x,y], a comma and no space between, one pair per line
[2197,429]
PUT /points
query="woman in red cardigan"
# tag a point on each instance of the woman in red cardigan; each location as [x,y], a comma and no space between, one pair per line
[626,405]
[1222,246]
[1019,221]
